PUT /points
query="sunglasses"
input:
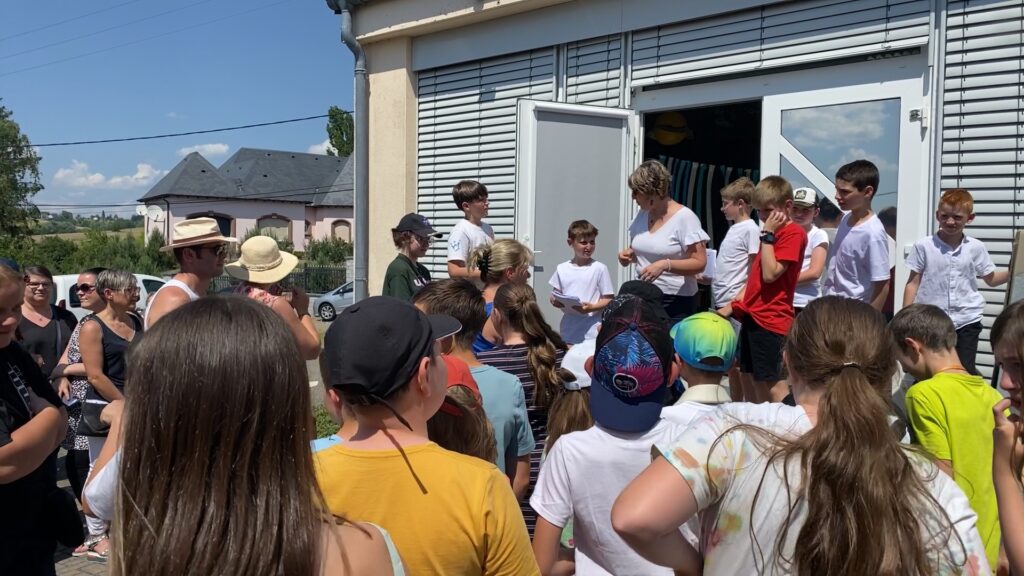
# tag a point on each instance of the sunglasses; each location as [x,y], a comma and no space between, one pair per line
[85,288]
[218,250]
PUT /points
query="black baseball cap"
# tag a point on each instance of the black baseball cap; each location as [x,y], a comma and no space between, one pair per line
[417,224]
[374,347]
[650,294]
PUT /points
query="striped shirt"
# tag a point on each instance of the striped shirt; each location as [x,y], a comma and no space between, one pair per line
[513,359]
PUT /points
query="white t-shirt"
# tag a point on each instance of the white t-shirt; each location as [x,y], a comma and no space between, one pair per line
[588,283]
[580,479]
[742,240]
[682,230]
[949,276]
[739,466]
[811,290]
[101,491]
[465,236]
[860,256]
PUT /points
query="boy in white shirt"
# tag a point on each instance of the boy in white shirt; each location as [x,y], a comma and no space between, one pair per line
[859,267]
[584,279]
[803,212]
[585,472]
[944,272]
[706,345]
[741,243]
[471,197]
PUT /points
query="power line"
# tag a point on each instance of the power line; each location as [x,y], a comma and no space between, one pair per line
[108,29]
[141,40]
[86,15]
[176,134]
[268,195]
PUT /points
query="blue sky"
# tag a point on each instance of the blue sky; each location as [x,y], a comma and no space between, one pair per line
[190,65]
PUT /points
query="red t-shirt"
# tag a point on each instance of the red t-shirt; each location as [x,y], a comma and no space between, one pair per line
[771,305]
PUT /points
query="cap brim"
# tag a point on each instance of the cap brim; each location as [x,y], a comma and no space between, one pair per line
[276,274]
[622,414]
[442,325]
[199,241]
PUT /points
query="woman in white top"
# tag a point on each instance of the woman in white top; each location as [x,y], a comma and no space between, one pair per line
[667,242]
[822,487]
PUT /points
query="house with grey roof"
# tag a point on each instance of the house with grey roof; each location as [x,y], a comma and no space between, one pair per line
[291,195]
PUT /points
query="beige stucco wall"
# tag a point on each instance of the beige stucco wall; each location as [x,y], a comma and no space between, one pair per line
[392,157]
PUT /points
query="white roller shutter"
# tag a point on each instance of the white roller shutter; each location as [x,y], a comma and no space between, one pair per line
[466,129]
[778,35]
[983,129]
[594,71]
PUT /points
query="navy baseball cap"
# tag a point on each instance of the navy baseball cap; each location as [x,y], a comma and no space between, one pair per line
[375,346]
[632,365]
[417,224]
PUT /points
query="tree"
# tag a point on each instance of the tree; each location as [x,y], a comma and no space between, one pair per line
[340,132]
[19,179]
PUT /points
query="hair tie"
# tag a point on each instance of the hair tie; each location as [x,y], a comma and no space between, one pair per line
[485,263]
[850,365]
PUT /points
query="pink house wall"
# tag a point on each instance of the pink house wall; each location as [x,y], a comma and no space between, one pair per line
[246,213]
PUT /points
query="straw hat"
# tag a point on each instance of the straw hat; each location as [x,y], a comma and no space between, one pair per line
[196,231]
[262,262]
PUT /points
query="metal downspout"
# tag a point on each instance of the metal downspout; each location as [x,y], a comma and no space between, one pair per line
[361,123]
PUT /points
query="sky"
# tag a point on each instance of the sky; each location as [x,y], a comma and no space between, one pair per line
[135,68]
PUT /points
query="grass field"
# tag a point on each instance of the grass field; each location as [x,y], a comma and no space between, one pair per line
[74,236]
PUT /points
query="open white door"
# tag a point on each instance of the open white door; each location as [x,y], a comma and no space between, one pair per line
[572,163]
[808,135]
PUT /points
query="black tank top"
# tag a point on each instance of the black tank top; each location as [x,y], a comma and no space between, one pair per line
[114,348]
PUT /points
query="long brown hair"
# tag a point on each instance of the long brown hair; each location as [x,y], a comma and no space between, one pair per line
[1009,325]
[469,432]
[570,412]
[517,304]
[866,501]
[216,471]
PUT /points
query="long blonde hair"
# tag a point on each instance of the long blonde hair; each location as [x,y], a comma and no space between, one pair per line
[494,260]
[865,499]
[469,432]
[1009,326]
[517,304]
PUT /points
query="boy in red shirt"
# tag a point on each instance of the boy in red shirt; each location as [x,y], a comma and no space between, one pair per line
[765,305]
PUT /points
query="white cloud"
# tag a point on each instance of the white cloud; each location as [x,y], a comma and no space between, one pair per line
[205,149]
[833,126]
[78,176]
[320,148]
[174,116]
[860,153]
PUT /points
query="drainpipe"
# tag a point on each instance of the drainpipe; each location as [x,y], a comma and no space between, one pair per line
[361,123]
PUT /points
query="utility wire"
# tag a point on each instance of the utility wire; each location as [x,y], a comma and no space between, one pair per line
[98,32]
[86,15]
[141,40]
[268,195]
[176,134]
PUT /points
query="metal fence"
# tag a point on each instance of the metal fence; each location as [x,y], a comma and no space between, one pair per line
[312,278]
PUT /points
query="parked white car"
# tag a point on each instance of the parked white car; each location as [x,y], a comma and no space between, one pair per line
[65,296]
[328,305]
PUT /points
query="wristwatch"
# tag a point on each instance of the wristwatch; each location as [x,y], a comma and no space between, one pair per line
[768,237]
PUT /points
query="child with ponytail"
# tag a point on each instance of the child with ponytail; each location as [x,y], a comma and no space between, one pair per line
[532,351]
[1008,453]
[822,487]
[504,261]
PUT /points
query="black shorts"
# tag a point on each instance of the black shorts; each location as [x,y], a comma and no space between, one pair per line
[760,351]
[967,345]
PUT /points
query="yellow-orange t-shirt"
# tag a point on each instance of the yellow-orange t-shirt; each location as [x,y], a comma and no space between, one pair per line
[448,514]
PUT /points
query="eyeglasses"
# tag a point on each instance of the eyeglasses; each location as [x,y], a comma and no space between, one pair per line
[43,285]
[131,290]
[85,288]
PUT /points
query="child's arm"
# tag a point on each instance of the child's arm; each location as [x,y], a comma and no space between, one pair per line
[817,266]
[879,290]
[1006,445]
[771,268]
[996,277]
[910,292]
[546,537]
[600,304]
[458,269]
[521,477]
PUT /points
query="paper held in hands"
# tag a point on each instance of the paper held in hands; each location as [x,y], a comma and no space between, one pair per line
[567,301]
[709,268]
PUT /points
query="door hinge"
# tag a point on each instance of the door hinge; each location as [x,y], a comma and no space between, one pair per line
[919,115]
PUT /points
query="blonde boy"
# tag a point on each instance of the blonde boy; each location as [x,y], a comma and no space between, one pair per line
[944,271]
[765,306]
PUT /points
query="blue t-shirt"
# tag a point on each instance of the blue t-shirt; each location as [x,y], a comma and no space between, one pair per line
[505,405]
[482,344]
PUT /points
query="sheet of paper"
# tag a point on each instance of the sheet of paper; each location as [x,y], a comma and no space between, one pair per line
[709,268]
[567,301]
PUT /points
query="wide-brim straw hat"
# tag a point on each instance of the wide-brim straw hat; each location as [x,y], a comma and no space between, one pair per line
[195,231]
[262,261]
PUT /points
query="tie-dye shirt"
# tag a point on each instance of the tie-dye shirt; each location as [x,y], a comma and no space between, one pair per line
[724,486]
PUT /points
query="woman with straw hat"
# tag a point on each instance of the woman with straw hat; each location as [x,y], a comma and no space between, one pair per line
[261,268]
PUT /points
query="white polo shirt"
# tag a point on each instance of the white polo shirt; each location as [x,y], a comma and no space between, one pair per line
[949,276]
